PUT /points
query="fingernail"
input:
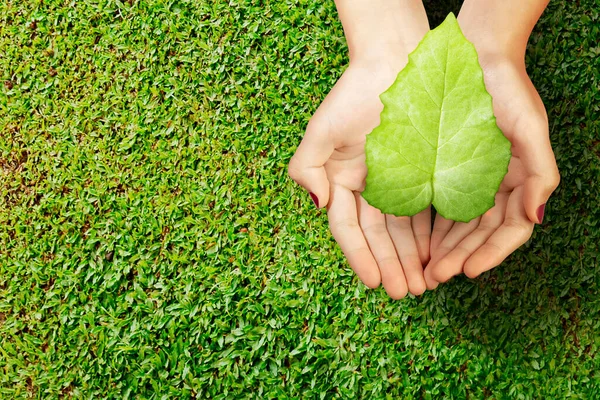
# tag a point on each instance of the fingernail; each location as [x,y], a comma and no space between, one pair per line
[540,212]
[315,199]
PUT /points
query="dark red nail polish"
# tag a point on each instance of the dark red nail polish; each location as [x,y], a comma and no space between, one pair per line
[315,199]
[540,212]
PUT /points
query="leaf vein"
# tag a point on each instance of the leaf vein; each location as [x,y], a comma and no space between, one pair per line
[403,157]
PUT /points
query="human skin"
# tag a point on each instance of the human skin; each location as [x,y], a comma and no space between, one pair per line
[330,161]
[500,29]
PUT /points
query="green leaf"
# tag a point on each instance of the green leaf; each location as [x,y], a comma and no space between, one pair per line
[438,142]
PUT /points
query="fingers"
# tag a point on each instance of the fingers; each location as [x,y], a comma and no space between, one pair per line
[372,222]
[457,233]
[307,164]
[343,223]
[535,152]
[441,227]
[421,225]
[453,263]
[514,232]
[401,232]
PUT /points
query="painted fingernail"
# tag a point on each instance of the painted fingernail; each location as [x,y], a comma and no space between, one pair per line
[540,212]
[315,199]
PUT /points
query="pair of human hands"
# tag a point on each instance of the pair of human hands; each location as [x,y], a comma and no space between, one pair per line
[406,254]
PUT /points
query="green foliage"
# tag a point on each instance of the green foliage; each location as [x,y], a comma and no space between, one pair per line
[152,246]
[438,141]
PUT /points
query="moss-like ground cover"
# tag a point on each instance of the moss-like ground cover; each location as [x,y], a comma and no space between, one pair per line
[152,245]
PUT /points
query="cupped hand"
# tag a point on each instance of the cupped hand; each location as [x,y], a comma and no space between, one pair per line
[484,242]
[330,164]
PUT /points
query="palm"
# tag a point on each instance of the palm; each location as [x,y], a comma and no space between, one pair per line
[349,113]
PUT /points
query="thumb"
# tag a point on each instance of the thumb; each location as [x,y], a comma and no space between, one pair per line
[537,192]
[542,172]
[307,166]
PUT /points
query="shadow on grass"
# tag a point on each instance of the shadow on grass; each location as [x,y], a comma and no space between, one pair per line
[516,307]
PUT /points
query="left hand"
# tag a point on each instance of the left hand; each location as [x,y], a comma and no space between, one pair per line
[330,163]
[483,243]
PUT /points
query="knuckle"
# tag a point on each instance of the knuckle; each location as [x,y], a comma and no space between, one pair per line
[387,261]
[487,229]
[538,123]
[442,250]
[495,247]
[375,230]
[343,225]
[398,222]
[518,225]
[412,260]
[362,249]
[440,230]
[462,252]
[554,180]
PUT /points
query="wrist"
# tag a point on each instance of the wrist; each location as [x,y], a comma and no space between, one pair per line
[492,44]
[382,29]
[500,29]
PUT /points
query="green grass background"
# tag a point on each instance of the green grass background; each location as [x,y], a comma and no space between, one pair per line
[152,245]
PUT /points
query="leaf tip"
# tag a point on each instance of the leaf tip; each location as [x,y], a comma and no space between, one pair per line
[450,20]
